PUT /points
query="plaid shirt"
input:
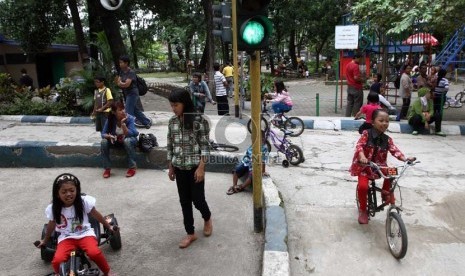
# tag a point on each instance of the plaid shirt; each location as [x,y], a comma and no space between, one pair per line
[186,147]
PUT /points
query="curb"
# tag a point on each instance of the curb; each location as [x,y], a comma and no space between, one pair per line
[55,154]
[275,255]
[315,123]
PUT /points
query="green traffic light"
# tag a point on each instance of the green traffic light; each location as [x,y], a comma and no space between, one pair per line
[253,32]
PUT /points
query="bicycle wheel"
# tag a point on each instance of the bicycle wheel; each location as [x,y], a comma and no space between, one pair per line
[224,147]
[296,125]
[294,155]
[396,235]
[264,125]
[460,97]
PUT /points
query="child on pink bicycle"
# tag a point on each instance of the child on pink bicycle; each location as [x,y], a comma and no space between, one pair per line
[373,146]
[281,100]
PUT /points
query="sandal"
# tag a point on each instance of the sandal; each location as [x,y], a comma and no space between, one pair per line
[231,190]
[235,189]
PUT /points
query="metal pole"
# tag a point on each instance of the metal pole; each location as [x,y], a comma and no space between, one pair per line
[317,104]
[256,143]
[337,83]
[235,64]
[342,85]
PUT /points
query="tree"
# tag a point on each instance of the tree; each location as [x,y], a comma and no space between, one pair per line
[33,23]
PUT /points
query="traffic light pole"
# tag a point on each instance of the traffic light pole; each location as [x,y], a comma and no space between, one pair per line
[235,63]
[256,142]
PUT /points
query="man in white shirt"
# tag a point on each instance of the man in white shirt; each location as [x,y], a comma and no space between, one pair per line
[221,93]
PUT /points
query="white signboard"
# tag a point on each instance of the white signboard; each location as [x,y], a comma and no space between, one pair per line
[346,37]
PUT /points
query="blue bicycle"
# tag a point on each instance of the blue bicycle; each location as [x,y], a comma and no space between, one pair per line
[293,153]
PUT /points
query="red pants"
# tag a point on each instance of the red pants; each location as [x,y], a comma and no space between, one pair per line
[88,244]
[362,191]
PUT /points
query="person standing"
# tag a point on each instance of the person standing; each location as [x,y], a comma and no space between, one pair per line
[200,92]
[187,152]
[440,91]
[221,93]
[422,79]
[102,102]
[127,81]
[406,87]
[228,72]
[26,80]
[354,86]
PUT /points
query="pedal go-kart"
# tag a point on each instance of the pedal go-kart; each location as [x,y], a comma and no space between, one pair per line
[78,263]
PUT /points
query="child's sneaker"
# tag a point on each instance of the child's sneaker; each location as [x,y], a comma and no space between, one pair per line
[131,172]
[440,133]
[415,132]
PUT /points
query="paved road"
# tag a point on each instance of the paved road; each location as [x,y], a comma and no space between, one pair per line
[324,236]
[304,94]
[148,211]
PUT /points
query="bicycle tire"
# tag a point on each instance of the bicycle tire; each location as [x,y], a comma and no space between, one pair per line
[224,147]
[294,155]
[460,97]
[294,124]
[396,235]
[264,125]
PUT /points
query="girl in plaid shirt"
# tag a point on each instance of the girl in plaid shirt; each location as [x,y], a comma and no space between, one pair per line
[188,148]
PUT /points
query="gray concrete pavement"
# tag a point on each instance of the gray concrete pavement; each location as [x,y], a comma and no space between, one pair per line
[148,211]
[324,235]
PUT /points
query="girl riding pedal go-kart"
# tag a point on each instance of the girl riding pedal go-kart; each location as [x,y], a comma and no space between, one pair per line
[73,230]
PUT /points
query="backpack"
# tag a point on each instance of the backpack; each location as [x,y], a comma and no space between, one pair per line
[141,86]
[147,142]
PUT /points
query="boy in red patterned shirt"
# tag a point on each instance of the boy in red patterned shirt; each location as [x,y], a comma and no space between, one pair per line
[373,146]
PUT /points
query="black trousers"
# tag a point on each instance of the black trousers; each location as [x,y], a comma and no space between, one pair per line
[418,125]
[191,192]
[438,104]
[405,106]
[223,105]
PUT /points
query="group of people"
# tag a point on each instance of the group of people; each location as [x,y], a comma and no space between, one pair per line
[427,109]
[116,120]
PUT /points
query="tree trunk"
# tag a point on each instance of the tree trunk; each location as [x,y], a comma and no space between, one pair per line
[170,56]
[292,49]
[78,31]
[135,61]
[111,27]
[94,26]
[209,52]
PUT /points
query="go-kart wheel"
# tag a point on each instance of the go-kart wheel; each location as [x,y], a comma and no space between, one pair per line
[115,240]
[46,254]
[285,163]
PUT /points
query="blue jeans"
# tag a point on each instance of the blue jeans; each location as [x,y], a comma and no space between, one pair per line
[279,107]
[131,108]
[129,145]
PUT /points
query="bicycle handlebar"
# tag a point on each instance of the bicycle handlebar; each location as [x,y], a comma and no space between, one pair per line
[408,163]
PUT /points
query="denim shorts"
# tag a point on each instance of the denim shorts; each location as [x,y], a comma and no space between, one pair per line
[241,170]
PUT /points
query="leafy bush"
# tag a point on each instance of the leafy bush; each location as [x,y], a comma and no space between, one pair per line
[267,86]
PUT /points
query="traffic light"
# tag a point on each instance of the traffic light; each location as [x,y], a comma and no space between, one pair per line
[222,21]
[253,26]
